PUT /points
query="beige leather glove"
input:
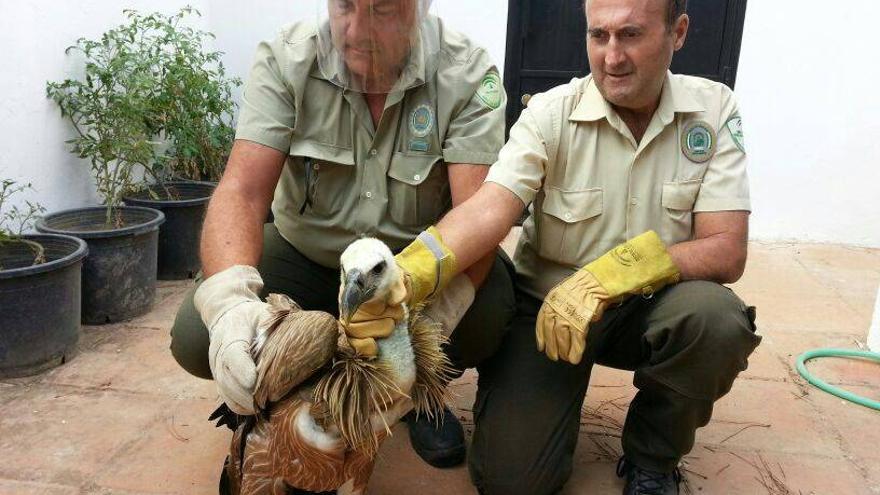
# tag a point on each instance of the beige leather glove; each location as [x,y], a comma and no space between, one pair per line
[449,307]
[231,308]
[639,266]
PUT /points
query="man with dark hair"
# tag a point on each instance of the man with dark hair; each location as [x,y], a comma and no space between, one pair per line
[639,201]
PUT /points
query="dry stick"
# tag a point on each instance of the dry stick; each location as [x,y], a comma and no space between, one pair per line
[744,428]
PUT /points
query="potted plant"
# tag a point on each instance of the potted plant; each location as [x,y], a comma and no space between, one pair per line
[39,290]
[111,111]
[193,110]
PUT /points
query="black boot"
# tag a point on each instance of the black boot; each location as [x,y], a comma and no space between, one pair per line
[440,445]
[644,482]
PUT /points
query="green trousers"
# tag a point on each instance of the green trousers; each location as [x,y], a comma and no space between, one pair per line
[315,287]
[686,345]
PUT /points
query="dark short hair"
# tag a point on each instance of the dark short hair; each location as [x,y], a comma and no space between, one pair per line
[674,10]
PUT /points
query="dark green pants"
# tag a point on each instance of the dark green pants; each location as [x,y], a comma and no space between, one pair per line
[686,346]
[285,270]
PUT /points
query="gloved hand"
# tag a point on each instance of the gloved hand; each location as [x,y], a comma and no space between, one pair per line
[639,266]
[425,267]
[375,319]
[449,307]
[231,308]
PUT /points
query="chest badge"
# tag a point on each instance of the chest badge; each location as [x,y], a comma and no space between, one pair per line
[698,141]
[421,122]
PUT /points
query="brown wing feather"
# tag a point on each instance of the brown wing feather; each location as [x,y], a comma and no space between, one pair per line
[297,344]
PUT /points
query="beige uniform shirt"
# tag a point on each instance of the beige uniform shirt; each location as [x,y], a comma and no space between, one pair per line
[591,186]
[344,177]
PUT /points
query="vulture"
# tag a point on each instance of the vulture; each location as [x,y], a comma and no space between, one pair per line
[322,409]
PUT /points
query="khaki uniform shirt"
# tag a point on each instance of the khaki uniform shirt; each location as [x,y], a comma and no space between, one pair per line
[592,186]
[344,177]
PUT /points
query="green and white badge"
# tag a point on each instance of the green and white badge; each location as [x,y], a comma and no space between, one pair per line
[491,91]
[735,126]
[421,121]
[698,141]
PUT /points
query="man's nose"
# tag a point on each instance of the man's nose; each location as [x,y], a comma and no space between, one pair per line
[614,54]
[360,26]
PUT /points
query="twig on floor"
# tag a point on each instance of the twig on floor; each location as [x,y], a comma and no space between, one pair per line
[174,432]
[771,481]
[744,428]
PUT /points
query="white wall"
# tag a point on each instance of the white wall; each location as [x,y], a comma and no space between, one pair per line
[34,36]
[807,84]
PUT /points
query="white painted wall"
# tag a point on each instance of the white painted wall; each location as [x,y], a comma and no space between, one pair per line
[806,86]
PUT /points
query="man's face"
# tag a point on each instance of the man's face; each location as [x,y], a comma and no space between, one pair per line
[630,49]
[373,37]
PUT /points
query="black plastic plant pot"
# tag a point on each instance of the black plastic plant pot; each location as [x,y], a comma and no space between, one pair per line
[119,275]
[39,320]
[184,205]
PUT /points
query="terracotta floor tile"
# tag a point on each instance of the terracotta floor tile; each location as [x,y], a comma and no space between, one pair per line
[67,435]
[179,452]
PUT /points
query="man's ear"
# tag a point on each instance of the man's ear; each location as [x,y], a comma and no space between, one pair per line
[680,30]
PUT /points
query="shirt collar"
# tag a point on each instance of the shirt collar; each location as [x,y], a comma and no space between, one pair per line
[674,98]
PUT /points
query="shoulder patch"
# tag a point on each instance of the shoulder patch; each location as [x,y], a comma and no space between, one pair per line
[734,125]
[491,91]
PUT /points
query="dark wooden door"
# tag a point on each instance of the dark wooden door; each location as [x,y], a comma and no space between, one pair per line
[546,45]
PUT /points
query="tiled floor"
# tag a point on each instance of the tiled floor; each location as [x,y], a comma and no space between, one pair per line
[122,418]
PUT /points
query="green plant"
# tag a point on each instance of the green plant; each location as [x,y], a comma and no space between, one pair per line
[112,110]
[14,221]
[194,100]
[147,81]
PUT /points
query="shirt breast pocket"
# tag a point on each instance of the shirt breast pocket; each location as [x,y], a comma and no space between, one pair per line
[324,177]
[566,221]
[678,200]
[418,189]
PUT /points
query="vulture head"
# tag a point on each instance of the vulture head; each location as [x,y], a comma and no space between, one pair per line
[368,272]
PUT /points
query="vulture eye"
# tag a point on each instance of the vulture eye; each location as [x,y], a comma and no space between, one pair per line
[378,268]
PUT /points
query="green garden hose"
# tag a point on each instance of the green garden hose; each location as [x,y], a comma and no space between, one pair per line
[831,389]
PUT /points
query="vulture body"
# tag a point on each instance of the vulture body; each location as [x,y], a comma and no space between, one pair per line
[322,409]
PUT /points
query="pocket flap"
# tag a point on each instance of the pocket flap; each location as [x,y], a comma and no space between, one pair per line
[321,151]
[573,206]
[412,169]
[680,195]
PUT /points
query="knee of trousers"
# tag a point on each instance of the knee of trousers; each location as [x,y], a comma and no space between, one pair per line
[190,340]
[482,329]
[716,335]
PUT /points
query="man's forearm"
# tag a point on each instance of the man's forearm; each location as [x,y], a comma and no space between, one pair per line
[720,258]
[476,227]
[232,233]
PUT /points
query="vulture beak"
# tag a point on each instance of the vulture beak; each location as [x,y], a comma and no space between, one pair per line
[355,291]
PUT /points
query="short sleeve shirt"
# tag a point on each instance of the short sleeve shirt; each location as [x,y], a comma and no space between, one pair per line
[344,177]
[591,186]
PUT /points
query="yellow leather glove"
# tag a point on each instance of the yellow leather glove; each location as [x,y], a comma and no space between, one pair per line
[425,267]
[639,266]
[375,319]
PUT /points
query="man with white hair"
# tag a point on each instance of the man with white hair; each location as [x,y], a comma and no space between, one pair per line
[639,199]
[373,121]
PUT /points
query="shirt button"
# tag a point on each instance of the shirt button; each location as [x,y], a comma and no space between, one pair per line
[568,216]
[368,194]
[316,166]
[633,202]
[417,177]
[374,152]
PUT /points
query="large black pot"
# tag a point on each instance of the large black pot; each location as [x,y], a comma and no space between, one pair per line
[119,275]
[184,205]
[39,319]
